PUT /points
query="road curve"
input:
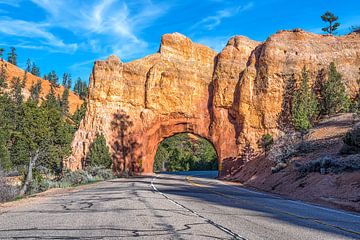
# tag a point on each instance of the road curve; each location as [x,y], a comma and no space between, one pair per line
[189,205]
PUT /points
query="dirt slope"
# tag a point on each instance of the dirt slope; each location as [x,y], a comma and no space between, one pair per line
[14,71]
[339,190]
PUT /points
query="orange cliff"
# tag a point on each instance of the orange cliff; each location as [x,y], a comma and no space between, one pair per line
[13,71]
[232,98]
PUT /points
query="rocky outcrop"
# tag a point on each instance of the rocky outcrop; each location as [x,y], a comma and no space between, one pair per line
[231,98]
[13,71]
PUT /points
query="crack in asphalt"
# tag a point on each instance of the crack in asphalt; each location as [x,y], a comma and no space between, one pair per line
[207,220]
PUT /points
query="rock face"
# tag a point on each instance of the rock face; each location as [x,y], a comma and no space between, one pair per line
[13,71]
[231,98]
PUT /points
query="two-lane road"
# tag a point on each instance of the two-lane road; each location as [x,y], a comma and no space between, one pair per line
[189,205]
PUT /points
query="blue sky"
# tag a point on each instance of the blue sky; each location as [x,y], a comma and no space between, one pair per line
[68,35]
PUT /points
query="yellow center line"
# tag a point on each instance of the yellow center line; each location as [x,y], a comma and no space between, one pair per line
[192,182]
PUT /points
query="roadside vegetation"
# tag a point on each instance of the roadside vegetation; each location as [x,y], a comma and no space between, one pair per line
[185,152]
[310,105]
[36,133]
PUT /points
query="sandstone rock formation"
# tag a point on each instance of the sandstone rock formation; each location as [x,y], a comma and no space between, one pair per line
[231,98]
[13,71]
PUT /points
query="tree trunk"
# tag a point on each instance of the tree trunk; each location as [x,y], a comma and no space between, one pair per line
[29,175]
[330,27]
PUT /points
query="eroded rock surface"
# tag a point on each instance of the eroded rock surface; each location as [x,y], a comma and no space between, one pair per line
[231,98]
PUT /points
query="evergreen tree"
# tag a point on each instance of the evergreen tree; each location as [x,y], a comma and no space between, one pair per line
[35,91]
[53,78]
[61,133]
[51,100]
[12,56]
[6,129]
[79,114]
[28,65]
[35,70]
[66,80]
[332,20]
[64,102]
[17,86]
[3,77]
[333,93]
[1,53]
[81,88]
[304,105]
[99,154]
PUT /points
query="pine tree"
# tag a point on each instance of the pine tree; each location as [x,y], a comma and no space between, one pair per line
[51,100]
[53,78]
[17,86]
[64,102]
[99,153]
[81,88]
[333,93]
[1,53]
[79,114]
[12,56]
[331,19]
[28,65]
[304,105]
[35,70]
[3,77]
[35,91]
[66,80]
[6,129]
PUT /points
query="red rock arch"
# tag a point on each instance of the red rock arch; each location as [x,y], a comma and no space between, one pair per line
[231,98]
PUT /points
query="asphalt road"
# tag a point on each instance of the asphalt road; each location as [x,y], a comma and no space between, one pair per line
[189,205]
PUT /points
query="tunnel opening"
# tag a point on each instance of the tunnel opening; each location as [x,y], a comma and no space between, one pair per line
[185,152]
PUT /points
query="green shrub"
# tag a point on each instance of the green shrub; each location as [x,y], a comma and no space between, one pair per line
[78,177]
[99,154]
[352,141]
[267,141]
[100,173]
[7,190]
[333,93]
[304,105]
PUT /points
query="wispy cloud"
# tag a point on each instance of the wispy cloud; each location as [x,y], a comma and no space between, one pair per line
[210,22]
[114,22]
[32,30]
[13,3]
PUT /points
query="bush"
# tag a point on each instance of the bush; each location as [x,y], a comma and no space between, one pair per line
[352,141]
[77,177]
[7,191]
[331,164]
[278,167]
[100,173]
[266,141]
[285,147]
